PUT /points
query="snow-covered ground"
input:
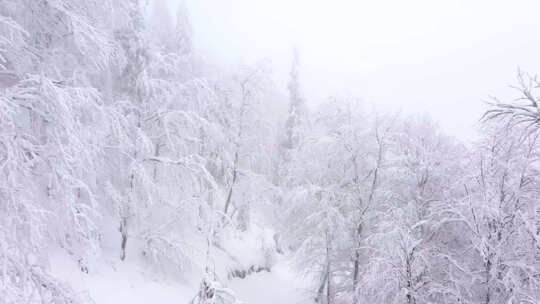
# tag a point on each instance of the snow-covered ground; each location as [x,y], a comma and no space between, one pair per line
[280,286]
[129,283]
[121,282]
[112,281]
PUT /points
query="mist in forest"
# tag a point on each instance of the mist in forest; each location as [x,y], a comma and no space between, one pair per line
[269,152]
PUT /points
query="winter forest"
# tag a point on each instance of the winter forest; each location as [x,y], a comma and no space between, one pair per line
[133,171]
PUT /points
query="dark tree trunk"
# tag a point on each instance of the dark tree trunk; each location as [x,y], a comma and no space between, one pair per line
[123,232]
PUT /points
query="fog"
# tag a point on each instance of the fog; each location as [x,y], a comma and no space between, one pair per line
[269,152]
[441,58]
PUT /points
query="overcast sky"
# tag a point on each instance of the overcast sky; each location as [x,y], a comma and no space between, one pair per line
[442,58]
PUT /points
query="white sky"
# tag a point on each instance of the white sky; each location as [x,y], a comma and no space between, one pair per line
[418,56]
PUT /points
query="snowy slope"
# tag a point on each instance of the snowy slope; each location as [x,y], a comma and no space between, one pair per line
[111,281]
[114,283]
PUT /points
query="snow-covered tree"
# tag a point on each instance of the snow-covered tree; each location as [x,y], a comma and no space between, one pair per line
[52,125]
[502,216]
[297,108]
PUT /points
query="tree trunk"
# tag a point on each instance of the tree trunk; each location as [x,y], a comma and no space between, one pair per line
[328,271]
[356,271]
[410,297]
[488,289]
[322,285]
[123,232]
[234,177]
[156,153]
